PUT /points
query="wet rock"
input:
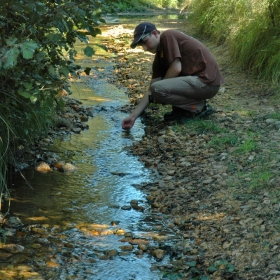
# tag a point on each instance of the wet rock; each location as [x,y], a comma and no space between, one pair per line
[124,253]
[84,126]
[69,167]
[36,246]
[120,231]
[65,167]
[142,247]
[126,248]
[12,248]
[52,264]
[137,241]
[10,231]
[107,232]
[13,222]
[135,206]
[40,231]
[84,118]
[138,208]
[115,223]
[139,252]
[159,254]
[43,241]
[126,207]
[128,234]
[90,112]
[111,253]
[5,256]
[134,202]
[77,130]
[43,167]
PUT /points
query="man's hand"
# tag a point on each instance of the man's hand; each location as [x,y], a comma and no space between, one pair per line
[128,122]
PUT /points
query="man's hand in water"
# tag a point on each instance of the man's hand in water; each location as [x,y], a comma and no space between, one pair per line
[128,122]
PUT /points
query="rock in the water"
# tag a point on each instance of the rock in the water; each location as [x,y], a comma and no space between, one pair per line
[159,254]
[43,167]
[13,222]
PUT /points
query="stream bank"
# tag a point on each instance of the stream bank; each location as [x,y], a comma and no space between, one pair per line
[216,180]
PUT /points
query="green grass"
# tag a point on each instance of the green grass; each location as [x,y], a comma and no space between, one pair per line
[249,145]
[248,28]
[203,126]
[275,115]
[260,178]
[224,140]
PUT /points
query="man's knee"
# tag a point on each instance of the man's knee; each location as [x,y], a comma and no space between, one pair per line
[158,89]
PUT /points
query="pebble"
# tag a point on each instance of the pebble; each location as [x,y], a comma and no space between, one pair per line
[127,247]
[159,254]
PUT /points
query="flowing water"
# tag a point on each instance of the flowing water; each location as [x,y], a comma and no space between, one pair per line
[76,218]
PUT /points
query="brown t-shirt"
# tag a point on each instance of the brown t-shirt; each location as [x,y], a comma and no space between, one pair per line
[196,59]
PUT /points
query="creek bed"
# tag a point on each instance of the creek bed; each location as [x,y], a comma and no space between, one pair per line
[75,220]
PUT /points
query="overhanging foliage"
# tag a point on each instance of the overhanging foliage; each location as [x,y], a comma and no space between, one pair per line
[36,56]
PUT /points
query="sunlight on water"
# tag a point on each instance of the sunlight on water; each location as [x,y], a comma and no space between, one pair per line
[95,193]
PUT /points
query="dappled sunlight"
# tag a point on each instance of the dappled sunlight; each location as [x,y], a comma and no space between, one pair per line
[37,219]
[21,271]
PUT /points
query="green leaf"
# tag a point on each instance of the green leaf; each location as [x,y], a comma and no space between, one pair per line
[88,51]
[25,94]
[27,85]
[82,37]
[102,47]
[10,58]
[191,264]
[54,37]
[52,71]
[41,56]
[212,268]
[33,99]
[28,49]
[230,267]
[40,7]
[94,31]
[87,70]
[64,71]
[11,41]
[221,262]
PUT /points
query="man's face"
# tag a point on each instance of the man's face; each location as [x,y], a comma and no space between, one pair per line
[150,42]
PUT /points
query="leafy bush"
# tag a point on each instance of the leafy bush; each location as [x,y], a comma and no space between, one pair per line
[36,56]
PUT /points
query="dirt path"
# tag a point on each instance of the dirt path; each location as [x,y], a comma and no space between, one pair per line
[216,180]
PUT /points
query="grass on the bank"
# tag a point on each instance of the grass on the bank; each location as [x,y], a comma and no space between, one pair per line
[249,28]
[19,129]
[252,169]
[142,5]
[224,140]
[198,126]
[202,126]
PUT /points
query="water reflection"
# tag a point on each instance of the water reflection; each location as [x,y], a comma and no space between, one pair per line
[103,183]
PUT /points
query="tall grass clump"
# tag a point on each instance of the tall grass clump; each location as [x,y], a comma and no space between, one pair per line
[213,16]
[250,29]
[142,5]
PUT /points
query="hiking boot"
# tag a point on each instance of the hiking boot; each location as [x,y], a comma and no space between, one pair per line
[176,113]
[206,111]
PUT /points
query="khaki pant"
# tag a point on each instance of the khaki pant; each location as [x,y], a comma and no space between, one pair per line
[186,92]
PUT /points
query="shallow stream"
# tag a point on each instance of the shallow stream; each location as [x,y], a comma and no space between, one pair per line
[77,219]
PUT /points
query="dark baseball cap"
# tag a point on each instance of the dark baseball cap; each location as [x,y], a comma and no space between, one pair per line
[140,31]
